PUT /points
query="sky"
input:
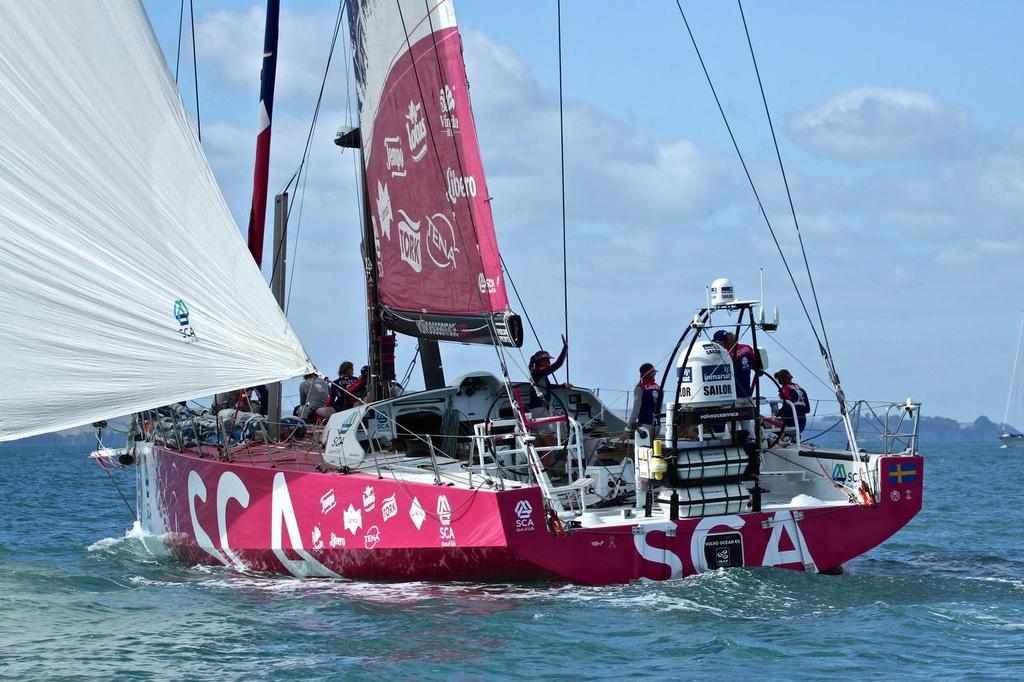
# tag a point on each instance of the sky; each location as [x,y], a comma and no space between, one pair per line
[900,125]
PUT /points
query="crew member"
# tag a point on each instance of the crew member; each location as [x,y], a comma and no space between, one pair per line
[795,394]
[646,399]
[541,369]
[346,386]
[744,362]
[314,398]
[539,407]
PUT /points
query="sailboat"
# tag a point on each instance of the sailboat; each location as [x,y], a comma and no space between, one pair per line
[131,289]
[1014,439]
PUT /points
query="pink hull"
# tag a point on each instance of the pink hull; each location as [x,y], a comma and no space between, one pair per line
[294,522]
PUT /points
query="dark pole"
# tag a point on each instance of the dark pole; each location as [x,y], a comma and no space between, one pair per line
[277,288]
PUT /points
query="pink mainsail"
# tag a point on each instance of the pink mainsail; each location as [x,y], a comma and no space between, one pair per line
[438,270]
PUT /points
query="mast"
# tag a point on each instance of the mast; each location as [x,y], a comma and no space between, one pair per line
[277,281]
[261,173]
[351,138]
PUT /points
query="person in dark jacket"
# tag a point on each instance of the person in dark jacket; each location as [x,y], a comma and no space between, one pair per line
[539,406]
[795,394]
[541,369]
[646,399]
[347,387]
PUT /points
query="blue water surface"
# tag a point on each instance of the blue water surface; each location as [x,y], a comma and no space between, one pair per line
[80,598]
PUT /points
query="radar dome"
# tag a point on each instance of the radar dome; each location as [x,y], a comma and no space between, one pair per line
[721,292]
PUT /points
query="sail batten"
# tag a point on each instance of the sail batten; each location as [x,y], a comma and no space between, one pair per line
[437,255]
[127,284]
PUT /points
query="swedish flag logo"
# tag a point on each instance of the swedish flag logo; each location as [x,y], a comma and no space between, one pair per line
[902,473]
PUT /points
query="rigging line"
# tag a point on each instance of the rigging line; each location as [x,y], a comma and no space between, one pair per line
[561,148]
[750,181]
[499,351]
[195,70]
[356,170]
[799,362]
[177,59]
[323,84]
[295,243]
[561,168]
[455,144]
[785,180]
[299,175]
[1013,375]
[522,305]
[118,488]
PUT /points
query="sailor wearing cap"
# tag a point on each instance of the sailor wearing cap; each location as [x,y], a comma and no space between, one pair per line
[744,361]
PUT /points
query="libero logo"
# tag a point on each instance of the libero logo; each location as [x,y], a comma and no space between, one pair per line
[524,516]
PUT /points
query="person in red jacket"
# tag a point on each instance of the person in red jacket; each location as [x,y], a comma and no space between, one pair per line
[795,394]
[744,362]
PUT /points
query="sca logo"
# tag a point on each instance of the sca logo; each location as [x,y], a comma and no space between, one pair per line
[840,475]
[524,516]
[180,311]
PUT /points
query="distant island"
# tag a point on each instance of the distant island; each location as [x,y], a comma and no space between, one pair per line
[934,430]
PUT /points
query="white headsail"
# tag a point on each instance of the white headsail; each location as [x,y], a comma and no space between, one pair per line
[124,281]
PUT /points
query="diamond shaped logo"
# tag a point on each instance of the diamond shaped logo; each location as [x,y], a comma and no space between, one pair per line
[416,513]
[353,519]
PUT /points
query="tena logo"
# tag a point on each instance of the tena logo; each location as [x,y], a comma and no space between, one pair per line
[416,130]
[353,519]
[327,501]
[409,241]
[384,214]
[416,513]
[444,510]
[524,516]
[369,499]
[441,241]
[372,537]
[389,507]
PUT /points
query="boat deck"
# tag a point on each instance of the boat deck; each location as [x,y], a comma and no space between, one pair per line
[296,455]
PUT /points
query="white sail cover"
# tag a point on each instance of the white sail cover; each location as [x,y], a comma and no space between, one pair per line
[124,281]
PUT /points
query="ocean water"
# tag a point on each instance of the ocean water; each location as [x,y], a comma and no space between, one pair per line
[80,598]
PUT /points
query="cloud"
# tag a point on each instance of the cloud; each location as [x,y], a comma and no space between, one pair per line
[974,254]
[230,43]
[872,123]
[615,173]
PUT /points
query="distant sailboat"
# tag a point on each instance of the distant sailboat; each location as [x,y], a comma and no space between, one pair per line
[1014,439]
[128,287]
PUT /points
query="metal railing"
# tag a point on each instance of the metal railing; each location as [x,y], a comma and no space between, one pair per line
[524,459]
